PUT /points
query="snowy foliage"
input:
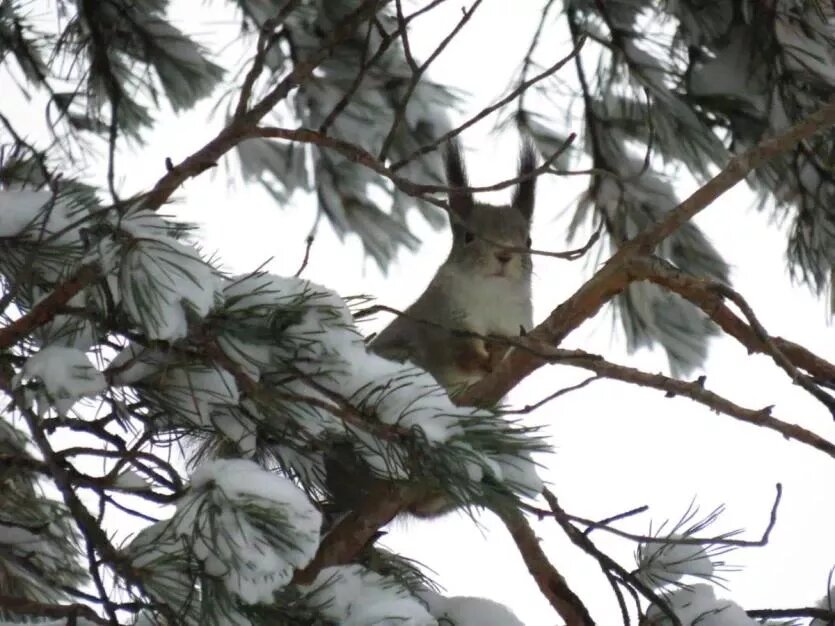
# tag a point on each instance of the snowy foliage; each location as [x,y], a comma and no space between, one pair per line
[699,606]
[465,611]
[244,528]
[353,596]
[676,553]
[66,375]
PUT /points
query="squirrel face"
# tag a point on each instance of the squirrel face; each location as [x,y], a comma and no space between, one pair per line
[489,241]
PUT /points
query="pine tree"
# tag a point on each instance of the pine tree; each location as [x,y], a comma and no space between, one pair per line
[144,385]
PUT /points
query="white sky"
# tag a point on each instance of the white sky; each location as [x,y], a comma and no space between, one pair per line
[615,447]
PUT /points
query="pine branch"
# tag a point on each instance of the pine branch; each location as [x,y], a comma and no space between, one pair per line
[721,540]
[99,549]
[614,276]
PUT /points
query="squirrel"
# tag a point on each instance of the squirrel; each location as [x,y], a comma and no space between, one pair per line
[483,288]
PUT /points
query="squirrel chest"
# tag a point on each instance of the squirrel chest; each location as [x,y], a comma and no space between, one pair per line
[495,305]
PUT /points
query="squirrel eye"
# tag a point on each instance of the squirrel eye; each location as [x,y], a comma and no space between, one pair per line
[468,237]
[528,242]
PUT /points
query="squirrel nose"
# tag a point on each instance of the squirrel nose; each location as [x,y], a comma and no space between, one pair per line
[503,256]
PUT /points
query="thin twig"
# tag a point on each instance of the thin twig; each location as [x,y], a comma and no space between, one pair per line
[718,541]
[238,128]
[617,517]
[606,562]
[826,616]
[362,72]
[308,243]
[529,408]
[694,391]
[266,40]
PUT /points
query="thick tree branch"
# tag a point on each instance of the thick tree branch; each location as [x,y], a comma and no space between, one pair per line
[551,583]
[354,531]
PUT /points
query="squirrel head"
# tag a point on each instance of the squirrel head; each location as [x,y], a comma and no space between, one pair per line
[483,235]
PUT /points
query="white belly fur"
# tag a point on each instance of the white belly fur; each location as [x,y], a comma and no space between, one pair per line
[494,305]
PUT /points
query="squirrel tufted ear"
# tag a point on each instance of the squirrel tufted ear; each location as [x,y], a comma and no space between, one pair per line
[460,202]
[523,197]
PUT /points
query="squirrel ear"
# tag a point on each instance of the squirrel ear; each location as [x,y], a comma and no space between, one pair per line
[523,197]
[460,202]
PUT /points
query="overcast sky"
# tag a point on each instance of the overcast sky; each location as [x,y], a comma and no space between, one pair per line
[615,447]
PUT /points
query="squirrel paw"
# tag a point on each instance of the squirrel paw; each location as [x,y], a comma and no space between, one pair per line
[474,357]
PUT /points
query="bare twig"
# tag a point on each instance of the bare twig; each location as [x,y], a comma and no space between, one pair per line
[529,408]
[528,60]
[308,243]
[826,616]
[362,72]
[618,516]
[720,541]
[266,40]
[694,391]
